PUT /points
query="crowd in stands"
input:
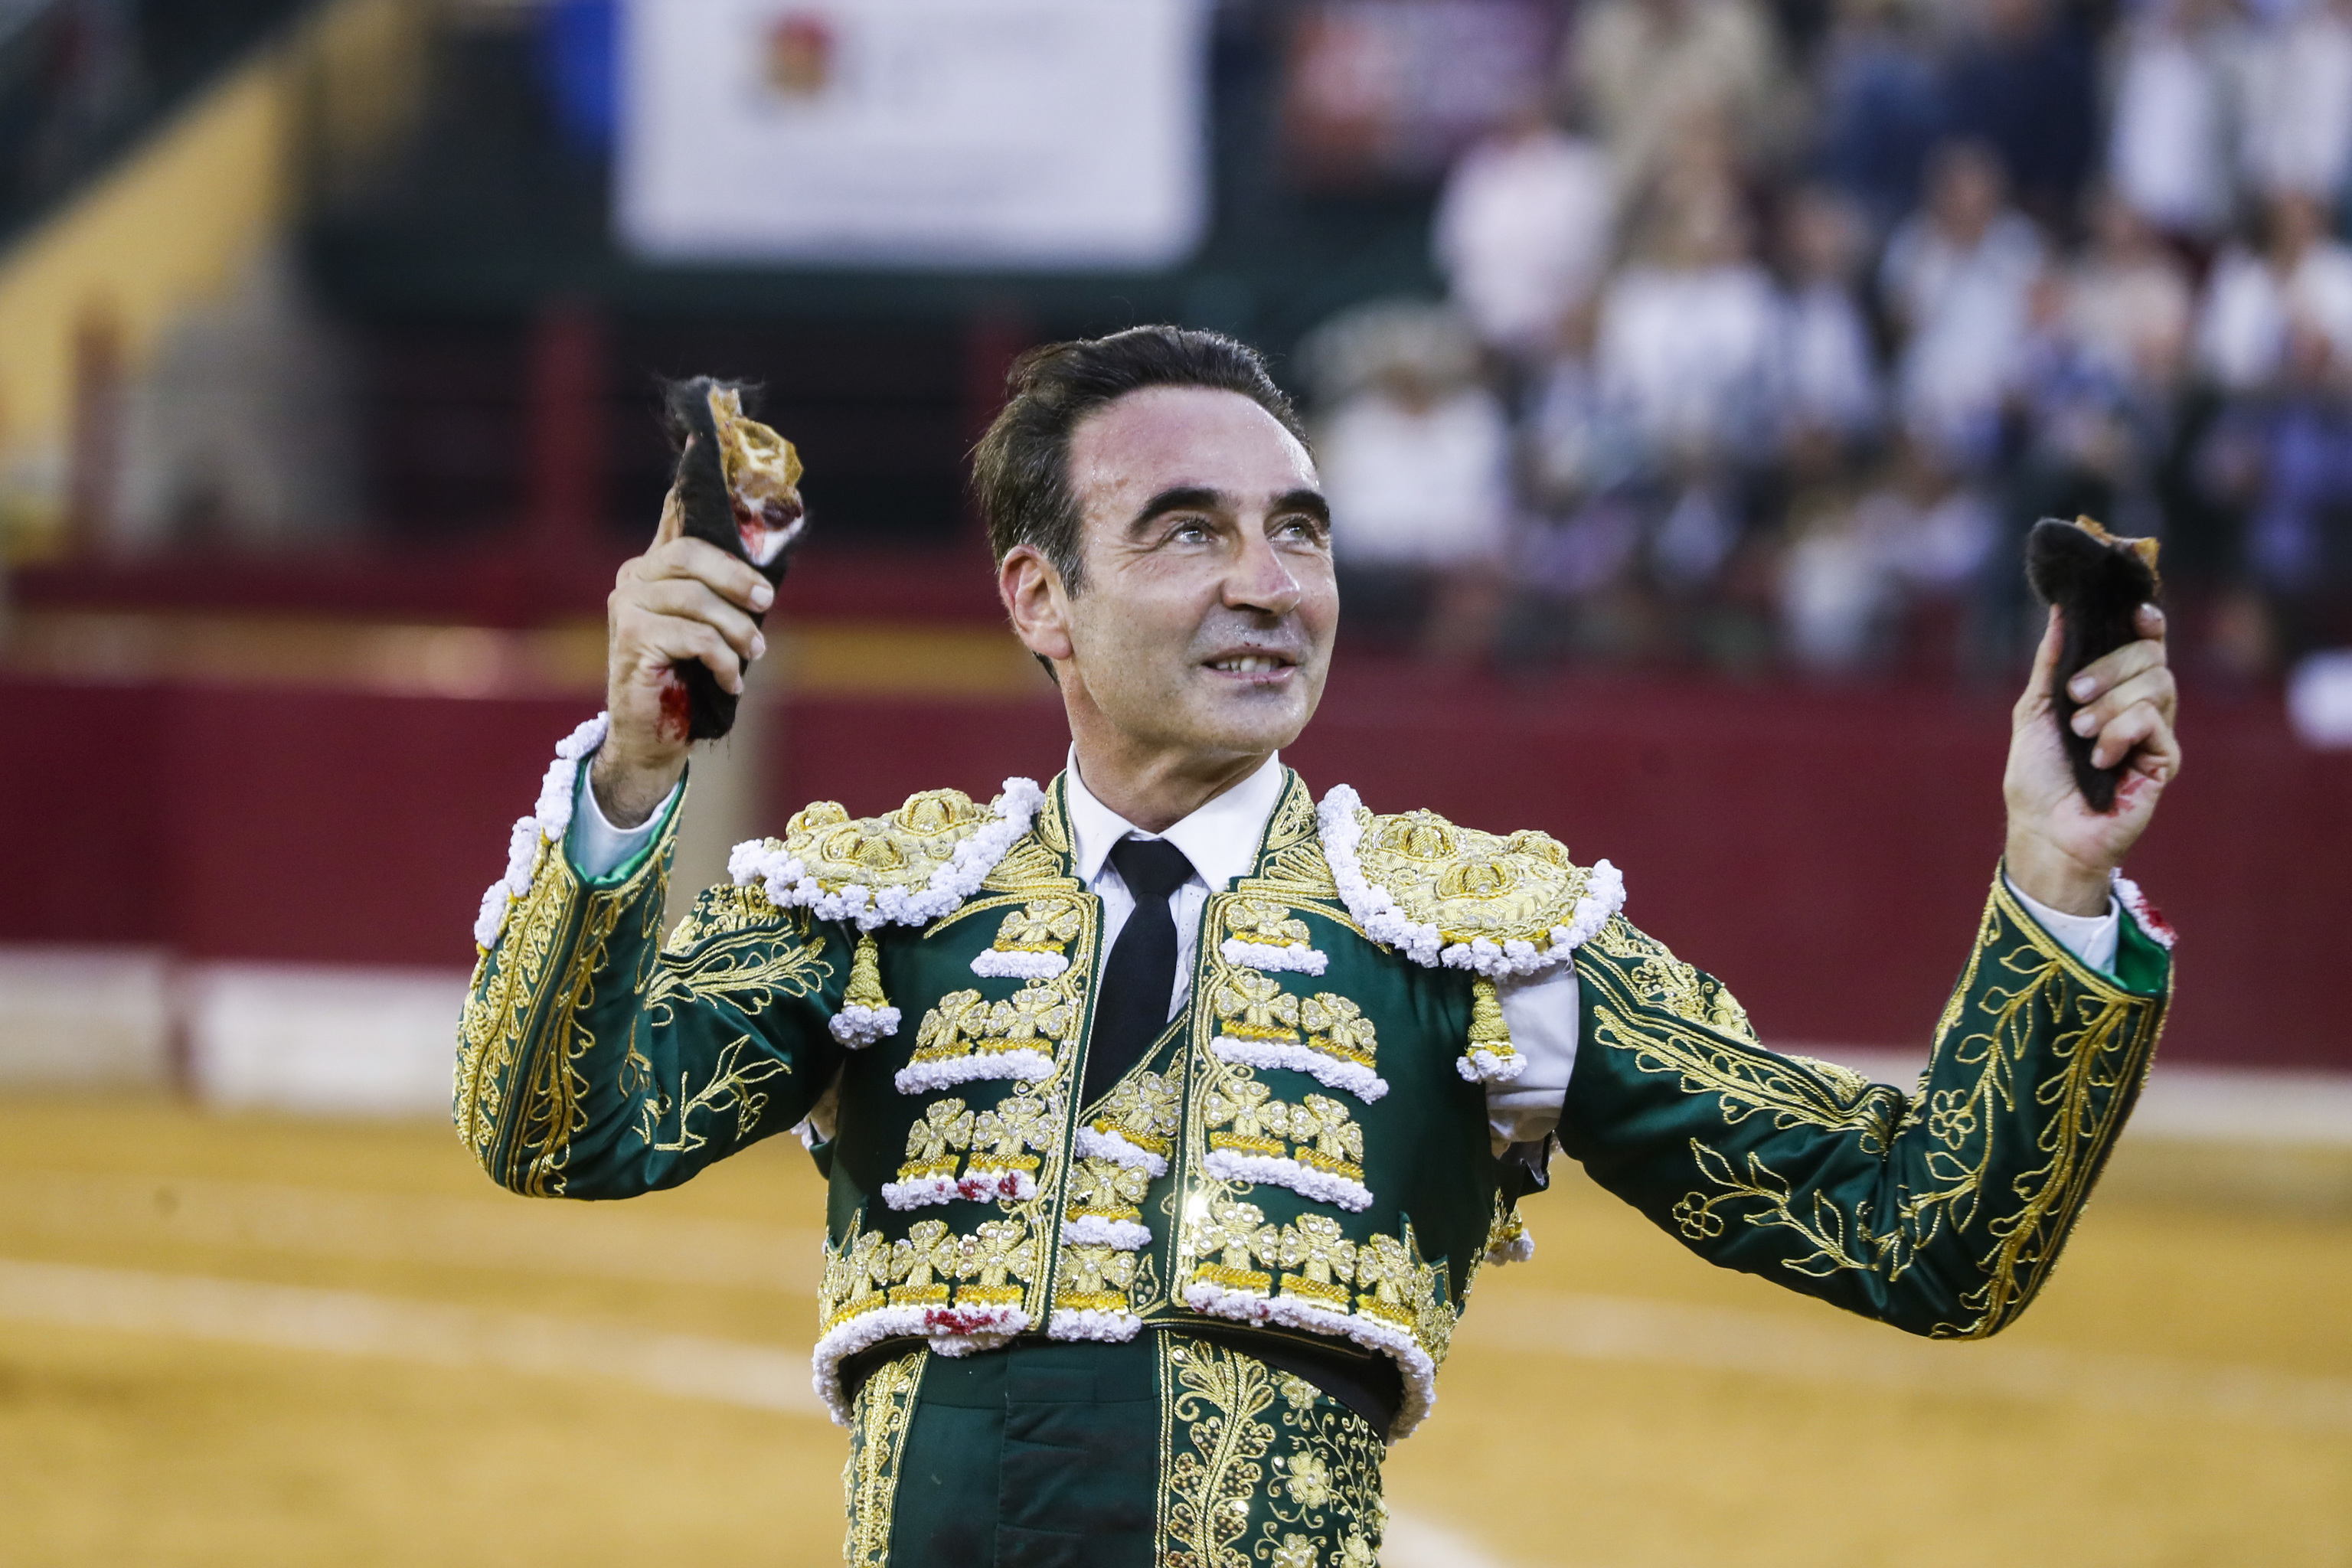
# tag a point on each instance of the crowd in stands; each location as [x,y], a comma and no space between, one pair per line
[1769,335]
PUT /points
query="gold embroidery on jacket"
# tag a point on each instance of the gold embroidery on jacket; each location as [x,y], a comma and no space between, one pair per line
[1318,1261]
[902,849]
[1105,1189]
[2100,1038]
[1142,1109]
[1227,1239]
[1039,925]
[935,1144]
[1318,1132]
[1091,1277]
[730,1088]
[505,991]
[1674,1029]
[869,1477]
[547,1112]
[1470,884]
[1254,1006]
[737,947]
[1338,1028]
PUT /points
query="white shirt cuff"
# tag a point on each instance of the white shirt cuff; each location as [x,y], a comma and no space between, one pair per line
[2091,937]
[597,846]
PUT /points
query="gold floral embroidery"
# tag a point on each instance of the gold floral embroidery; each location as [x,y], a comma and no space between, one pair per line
[1318,1260]
[1318,1132]
[856,1275]
[1093,1278]
[1213,1451]
[1667,982]
[1142,1109]
[1002,1135]
[1254,1007]
[1038,926]
[1265,923]
[923,1264]
[935,1143]
[544,1090]
[1105,1189]
[723,911]
[1259,1469]
[1231,1238]
[870,1479]
[1337,1027]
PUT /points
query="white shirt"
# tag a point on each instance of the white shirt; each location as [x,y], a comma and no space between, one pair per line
[2241,335]
[1428,487]
[1686,353]
[1522,232]
[1221,839]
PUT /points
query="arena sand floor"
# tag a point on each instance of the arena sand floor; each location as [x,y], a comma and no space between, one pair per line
[260,1341]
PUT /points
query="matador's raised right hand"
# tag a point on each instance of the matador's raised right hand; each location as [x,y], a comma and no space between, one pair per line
[682,599]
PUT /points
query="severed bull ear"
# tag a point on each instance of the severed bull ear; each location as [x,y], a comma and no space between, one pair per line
[738,486]
[2098,581]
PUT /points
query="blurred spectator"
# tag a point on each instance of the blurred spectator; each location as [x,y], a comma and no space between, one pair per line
[2129,302]
[1881,108]
[1523,231]
[244,426]
[2025,85]
[1826,377]
[1415,458]
[1652,67]
[1577,443]
[2285,459]
[1686,332]
[1918,535]
[2298,132]
[1956,277]
[2169,150]
[2302,279]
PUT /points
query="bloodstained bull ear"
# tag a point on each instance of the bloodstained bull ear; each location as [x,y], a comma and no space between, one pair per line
[737,484]
[2098,581]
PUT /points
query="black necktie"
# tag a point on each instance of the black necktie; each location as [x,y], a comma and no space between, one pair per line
[1139,981]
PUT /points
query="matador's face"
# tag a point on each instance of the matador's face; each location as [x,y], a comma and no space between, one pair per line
[1204,621]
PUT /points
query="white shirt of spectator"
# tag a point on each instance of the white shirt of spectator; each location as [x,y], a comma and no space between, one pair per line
[1825,377]
[1967,310]
[2242,334]
[2298,109]
[2169,149]
[1522,234]
[1686,353]
[1423,488]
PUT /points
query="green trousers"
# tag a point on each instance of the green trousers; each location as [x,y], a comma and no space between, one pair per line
[1166,1452]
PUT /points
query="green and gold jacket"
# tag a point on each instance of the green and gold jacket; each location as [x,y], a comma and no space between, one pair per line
[1305,1151]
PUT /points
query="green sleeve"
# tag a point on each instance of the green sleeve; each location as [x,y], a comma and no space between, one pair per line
[1941,1211]
[592,1062]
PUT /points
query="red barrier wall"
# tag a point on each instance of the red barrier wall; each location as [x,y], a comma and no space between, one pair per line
[1825,853]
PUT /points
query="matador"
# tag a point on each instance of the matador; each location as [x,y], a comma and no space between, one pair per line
[1168,1111]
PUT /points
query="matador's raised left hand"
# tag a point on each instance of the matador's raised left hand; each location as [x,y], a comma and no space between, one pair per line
[2059,851]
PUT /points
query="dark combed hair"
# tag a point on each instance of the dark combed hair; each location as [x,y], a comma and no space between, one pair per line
[1021,468]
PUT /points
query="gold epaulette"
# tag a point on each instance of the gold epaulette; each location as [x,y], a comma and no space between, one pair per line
[1457,897]
[908,868]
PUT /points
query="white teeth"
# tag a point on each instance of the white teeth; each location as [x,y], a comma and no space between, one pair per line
[1249,665]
